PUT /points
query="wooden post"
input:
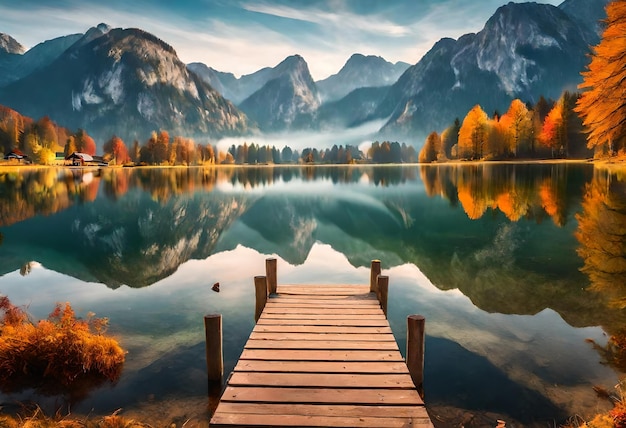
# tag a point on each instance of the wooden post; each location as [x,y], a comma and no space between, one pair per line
[374,272]
[214,355]
[260,287]
[383,292]
[415,337]
[270,272]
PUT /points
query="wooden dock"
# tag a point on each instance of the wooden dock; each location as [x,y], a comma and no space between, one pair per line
[321,356]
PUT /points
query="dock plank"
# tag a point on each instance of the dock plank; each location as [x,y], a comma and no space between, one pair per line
[320,344]
[381,367]
[322,380]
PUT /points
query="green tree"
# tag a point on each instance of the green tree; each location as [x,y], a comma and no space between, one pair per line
[450,138]
[286,155]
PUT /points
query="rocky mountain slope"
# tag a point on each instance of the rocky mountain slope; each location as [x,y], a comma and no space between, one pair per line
[125,82]
[289,100]
[360,71]
[525,50]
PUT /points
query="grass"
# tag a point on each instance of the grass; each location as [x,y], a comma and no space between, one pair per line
[61,353]
[38,420]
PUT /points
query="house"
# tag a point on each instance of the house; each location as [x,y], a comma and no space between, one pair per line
[16,154]
[79,159]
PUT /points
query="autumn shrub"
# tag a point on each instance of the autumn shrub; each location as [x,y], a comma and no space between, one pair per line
[60,350]
[36,419]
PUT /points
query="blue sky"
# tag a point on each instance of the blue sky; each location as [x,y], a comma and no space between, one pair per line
[242,36]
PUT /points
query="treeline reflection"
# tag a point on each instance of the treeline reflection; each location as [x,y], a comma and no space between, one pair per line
[518,191]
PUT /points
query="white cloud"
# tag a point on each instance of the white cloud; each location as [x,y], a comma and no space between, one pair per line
[342,20]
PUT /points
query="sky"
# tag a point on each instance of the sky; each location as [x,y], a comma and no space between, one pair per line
[243,36]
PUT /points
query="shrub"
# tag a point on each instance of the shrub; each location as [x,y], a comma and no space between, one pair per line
[60,350]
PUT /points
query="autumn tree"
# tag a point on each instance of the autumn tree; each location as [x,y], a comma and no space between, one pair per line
[161,147]
[603,105]
[518,123]
[431,149]
[116,150]
[473,133]
[553,133]
[84,143]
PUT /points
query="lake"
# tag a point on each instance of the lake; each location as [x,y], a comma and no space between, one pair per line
[519,269]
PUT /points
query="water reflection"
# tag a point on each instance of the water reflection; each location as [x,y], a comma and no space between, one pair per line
[504,260]
[601,233]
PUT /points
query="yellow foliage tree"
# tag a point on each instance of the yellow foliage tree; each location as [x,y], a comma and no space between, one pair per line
[603,105]
[473,133]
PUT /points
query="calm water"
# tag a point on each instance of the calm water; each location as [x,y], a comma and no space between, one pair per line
[514,267]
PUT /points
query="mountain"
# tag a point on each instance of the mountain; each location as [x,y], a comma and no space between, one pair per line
[589,14]
[232,88]
[9,45]
[39,56]
[351,110]
[224,83]
[125,82]
[360,72]
[287,101]
[525,50]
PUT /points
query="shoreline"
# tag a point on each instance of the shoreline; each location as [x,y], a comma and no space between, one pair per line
[614,165]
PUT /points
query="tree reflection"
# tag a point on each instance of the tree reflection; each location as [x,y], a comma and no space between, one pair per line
[602,236]
[517,191]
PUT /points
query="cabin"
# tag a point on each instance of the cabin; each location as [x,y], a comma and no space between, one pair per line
[79,159]
[16,154]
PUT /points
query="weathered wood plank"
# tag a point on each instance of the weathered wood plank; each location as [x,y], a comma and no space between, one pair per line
[255,420]
[323,336]
[330,291]
[358,322]
[321,380]
[322,366]
[252,420]
[320,355]
[322,316]
[324,410]
[322,395]
[312,310]
[324,303]
[326,297]
[320,329]
[320,344]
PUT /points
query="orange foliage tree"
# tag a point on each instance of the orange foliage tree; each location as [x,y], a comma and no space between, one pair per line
[116,150]
[84,143]
[431,149]
[552,132]
[603,105]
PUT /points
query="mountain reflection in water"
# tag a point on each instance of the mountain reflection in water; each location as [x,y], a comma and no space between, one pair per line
[514,267]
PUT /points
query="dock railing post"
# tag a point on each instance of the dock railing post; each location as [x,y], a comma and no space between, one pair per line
[383,292]
[260,287]
[214,354]
[415,339]
[374,272]
[270,273]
